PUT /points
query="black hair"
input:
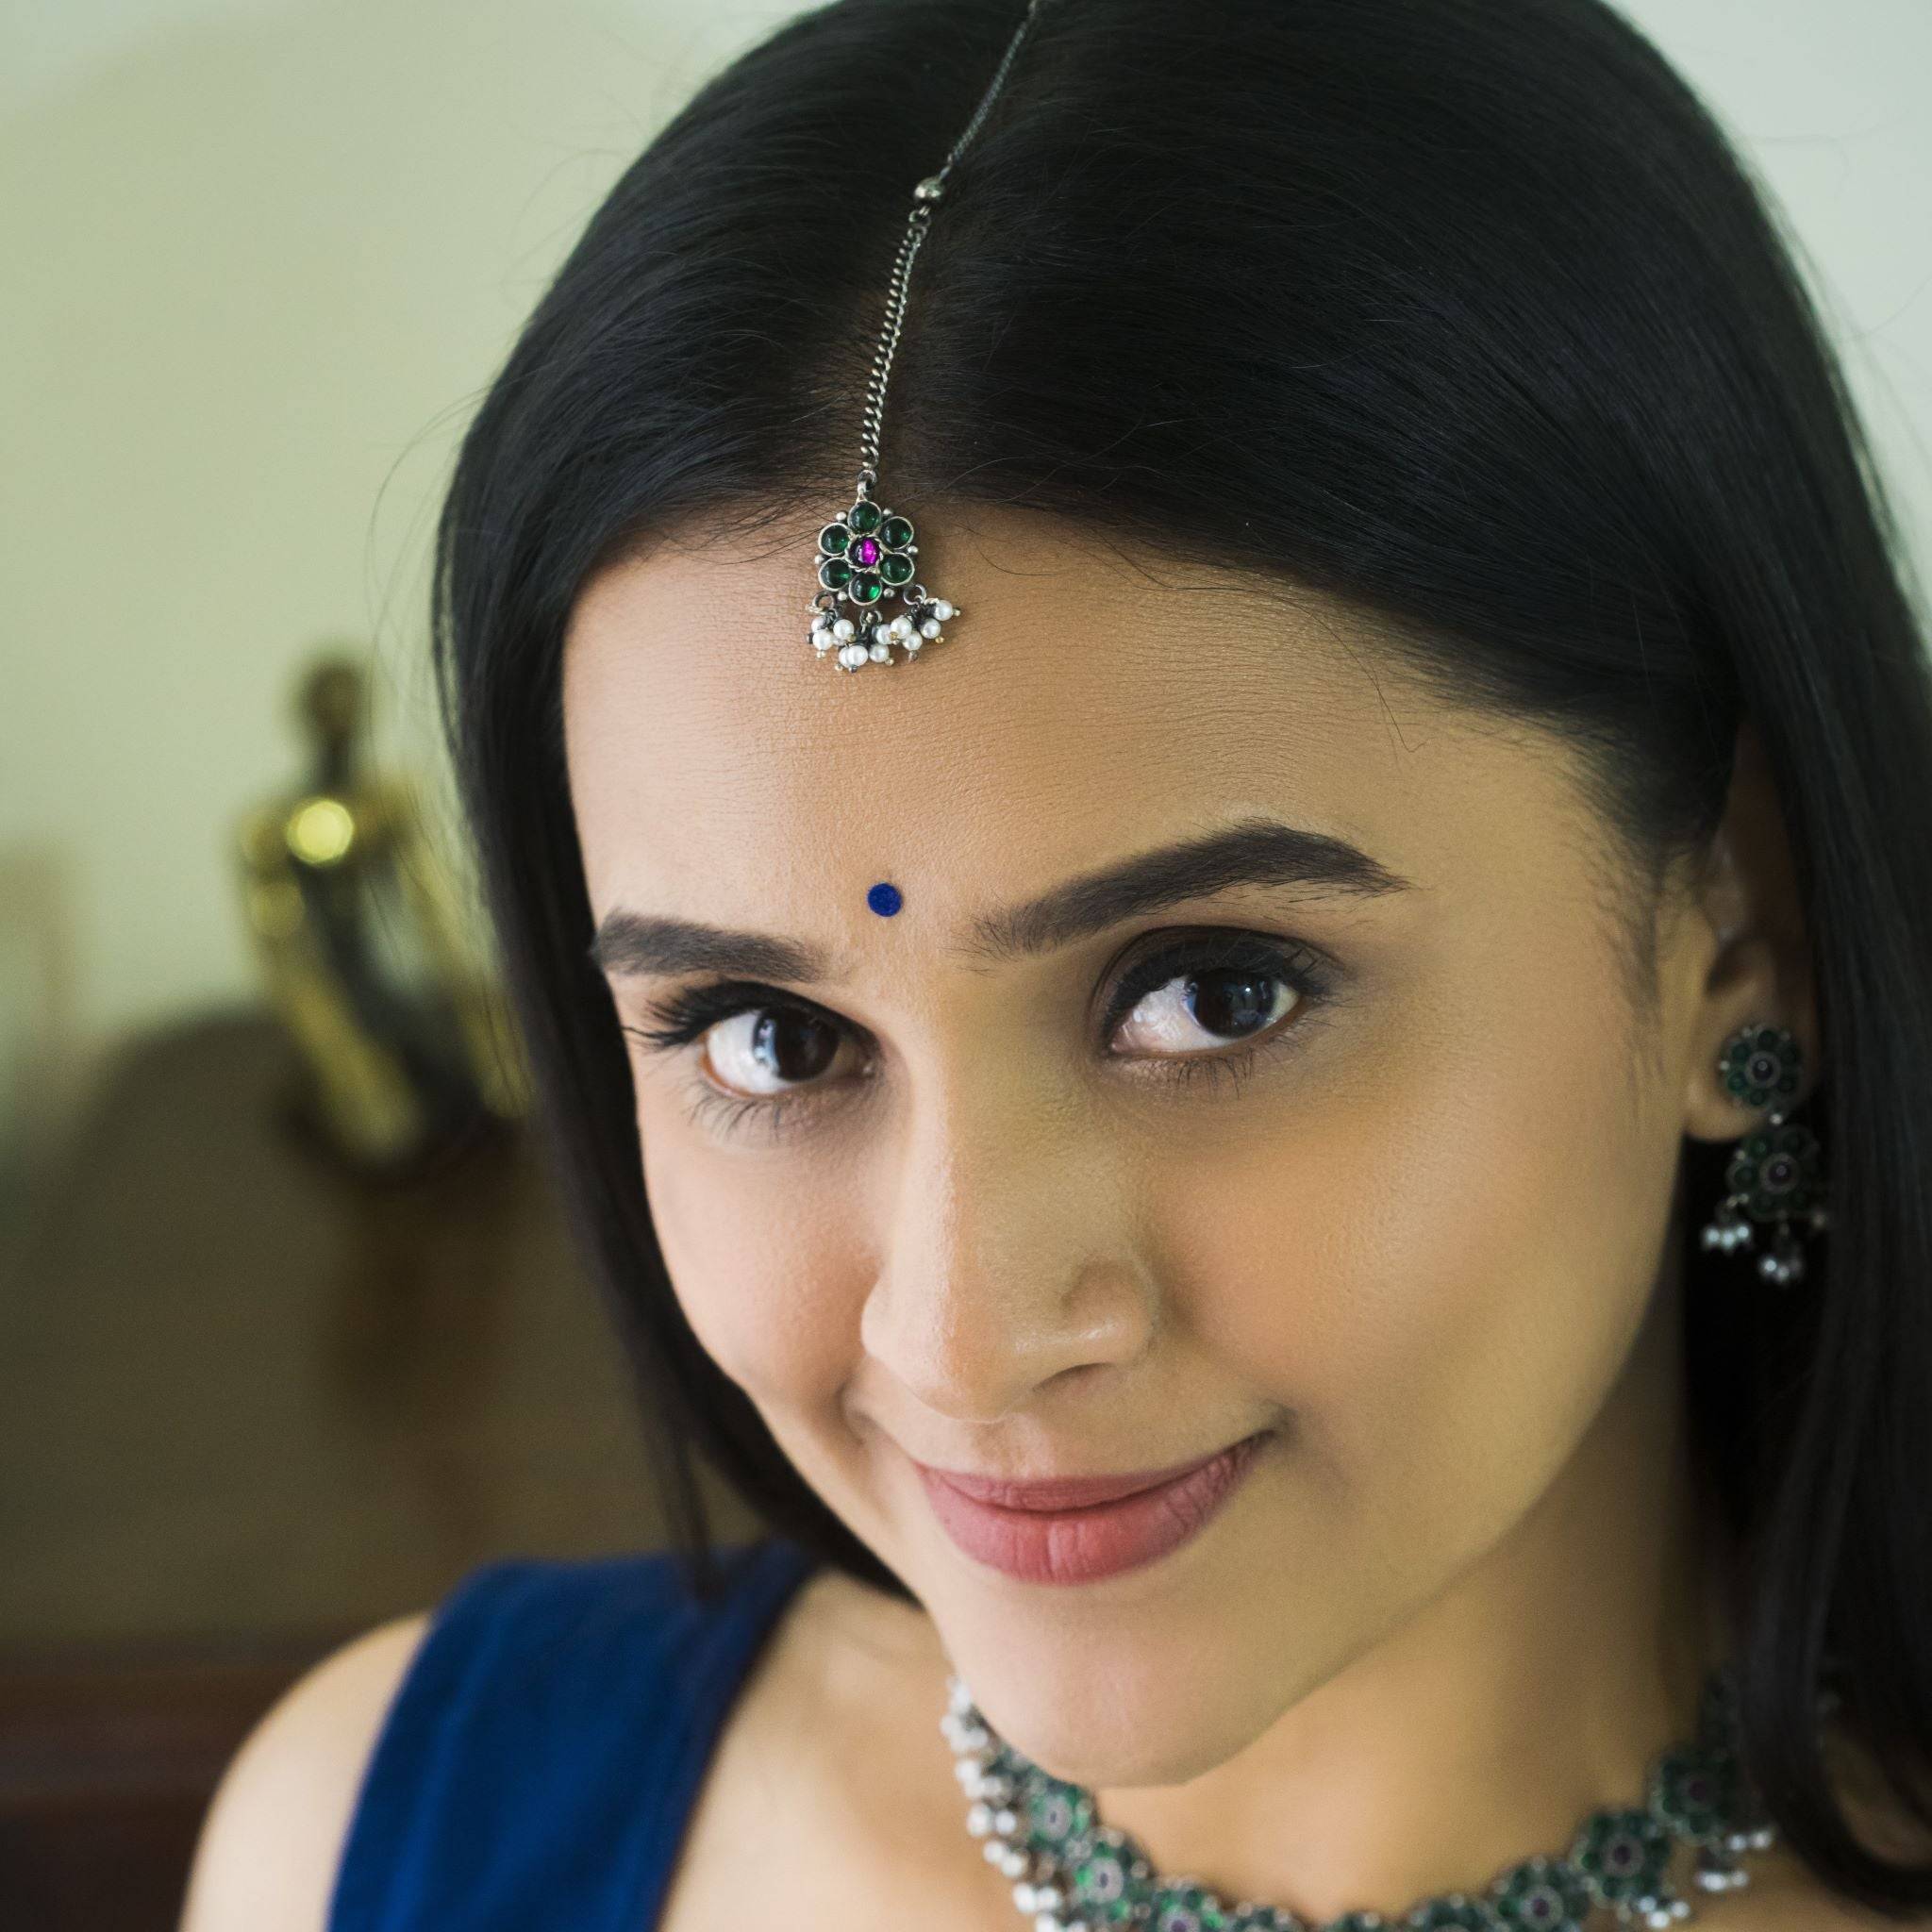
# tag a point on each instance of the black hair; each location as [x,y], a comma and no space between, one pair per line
[1462,313]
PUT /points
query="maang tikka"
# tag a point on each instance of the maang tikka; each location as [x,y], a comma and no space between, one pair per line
[1774,1177]
[868,555]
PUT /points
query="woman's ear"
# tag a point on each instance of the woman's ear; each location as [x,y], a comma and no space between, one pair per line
[1761,970]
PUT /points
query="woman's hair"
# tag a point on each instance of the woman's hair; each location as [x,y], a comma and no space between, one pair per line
[1462,313]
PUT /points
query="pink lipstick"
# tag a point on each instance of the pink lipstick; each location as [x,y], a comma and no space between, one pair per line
[1078,1529]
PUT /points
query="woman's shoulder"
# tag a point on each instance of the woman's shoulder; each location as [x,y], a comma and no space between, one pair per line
[477,1716]
[274,1832]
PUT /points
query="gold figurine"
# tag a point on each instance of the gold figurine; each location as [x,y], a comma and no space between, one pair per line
[405,1044]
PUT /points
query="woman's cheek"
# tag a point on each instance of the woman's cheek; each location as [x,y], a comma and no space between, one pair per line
[762,1266]
[1435,1265]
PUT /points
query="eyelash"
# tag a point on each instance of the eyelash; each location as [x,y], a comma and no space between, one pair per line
[687,1016]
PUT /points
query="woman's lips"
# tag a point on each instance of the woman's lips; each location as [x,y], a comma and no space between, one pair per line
[1078,1529]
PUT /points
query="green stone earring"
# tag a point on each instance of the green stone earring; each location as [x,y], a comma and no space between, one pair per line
[866,555]
[1776,1175]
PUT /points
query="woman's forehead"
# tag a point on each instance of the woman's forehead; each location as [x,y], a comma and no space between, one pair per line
[1079,707]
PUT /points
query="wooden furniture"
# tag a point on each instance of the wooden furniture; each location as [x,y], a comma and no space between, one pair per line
[252,1406]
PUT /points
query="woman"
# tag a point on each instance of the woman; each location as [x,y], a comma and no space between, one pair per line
[1168,1146]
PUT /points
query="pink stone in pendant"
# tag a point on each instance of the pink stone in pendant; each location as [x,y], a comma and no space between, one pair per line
[865,552]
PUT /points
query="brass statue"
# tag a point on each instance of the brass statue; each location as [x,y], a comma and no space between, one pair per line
[406,1046]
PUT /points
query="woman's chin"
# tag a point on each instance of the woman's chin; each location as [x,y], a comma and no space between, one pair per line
[1115,1719]
[1148,1677]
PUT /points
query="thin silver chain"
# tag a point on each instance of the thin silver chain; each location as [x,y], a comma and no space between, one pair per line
[925,195]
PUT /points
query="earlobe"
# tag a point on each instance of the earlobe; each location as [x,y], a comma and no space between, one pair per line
[1760,972]
[1747,993]
[1757,1031]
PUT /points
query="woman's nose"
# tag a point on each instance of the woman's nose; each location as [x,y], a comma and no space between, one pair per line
[1010,1256]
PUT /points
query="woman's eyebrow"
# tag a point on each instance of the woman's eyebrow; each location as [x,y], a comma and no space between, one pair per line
[1257,852]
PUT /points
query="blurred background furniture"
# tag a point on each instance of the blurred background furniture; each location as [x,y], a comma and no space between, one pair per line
[255,1404]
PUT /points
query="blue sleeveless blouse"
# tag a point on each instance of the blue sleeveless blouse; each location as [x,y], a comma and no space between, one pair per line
[540,1757]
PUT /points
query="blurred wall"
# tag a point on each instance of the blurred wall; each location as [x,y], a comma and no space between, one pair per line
[258,257]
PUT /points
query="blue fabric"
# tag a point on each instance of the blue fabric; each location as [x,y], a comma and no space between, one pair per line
[540,1757]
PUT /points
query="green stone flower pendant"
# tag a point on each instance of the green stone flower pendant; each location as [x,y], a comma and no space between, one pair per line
[867,557]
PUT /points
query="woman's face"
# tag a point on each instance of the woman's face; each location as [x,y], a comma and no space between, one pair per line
[1029,1179]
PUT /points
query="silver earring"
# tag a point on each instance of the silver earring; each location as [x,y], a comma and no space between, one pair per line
[1776,1177]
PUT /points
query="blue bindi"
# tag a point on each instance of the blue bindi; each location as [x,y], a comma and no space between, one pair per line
[885,900]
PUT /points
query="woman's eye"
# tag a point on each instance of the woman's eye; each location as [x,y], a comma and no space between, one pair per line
[769,1050]
[757,1058]
[1196,1012]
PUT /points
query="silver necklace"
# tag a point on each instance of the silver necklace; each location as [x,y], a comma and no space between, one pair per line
[1072,1873]
[868,554]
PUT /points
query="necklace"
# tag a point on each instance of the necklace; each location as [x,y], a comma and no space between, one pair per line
[1072,1873]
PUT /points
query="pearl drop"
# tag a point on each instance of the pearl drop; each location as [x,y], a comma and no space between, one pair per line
[979,1820]
[943,610]
[880,651]
[913,644]
[821,619]
[844,627]
[1022,1896]
[930,629]
[852,655]
[822,642]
